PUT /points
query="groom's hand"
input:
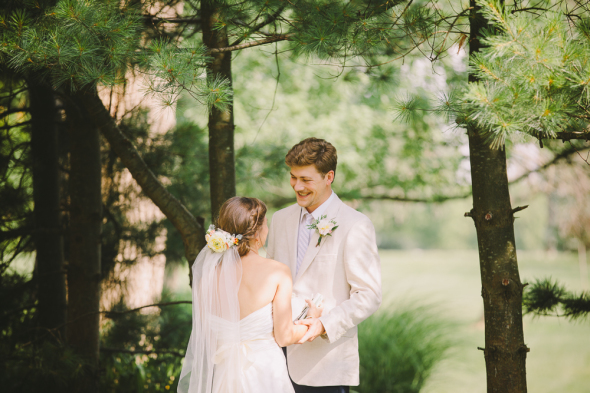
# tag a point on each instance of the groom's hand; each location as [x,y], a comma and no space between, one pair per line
[315,328]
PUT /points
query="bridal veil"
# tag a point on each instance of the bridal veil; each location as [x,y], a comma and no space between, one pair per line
[216,324]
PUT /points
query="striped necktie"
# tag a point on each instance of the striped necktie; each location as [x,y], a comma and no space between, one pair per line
[303,239]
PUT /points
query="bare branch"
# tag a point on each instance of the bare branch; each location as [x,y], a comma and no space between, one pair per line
[269,40]
[568,136]
[557,157]
[160,305]
[191,20]
[259,26]
[12,111]
[142,352]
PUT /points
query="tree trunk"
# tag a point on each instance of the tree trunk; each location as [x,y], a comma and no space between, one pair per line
[85,230]
[583,264]
[192,232]
[505,352]
[50,277]
[552,230]
[222,172]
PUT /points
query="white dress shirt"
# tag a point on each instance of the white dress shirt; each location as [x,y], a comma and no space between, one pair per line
[304,233]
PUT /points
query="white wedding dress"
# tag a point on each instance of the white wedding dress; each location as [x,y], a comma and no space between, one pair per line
[226,354]
[263,365]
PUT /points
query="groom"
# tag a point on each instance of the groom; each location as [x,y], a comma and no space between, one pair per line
[343,267]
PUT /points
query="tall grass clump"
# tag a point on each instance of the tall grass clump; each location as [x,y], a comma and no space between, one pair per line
[399,348]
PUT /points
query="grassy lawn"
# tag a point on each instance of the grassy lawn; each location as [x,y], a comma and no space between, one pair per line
[559,360]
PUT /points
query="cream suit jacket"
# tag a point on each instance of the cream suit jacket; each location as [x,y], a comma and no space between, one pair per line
[346,270]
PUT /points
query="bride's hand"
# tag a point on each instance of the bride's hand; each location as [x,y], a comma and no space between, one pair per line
[314,312]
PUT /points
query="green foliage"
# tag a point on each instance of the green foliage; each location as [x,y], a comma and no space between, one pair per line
[30,359]
[533,72]
[16,191]
[377,156]
[329,29]
[82,43]
[162,335]
[400,348]
[548,297]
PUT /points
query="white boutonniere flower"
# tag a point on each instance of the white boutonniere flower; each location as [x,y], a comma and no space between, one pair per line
[324,227]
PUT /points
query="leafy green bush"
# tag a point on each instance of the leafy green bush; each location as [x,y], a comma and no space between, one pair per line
[399,349]
[31,359]
[144,352]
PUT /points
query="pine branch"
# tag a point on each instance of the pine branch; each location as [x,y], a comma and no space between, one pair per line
[15,233]
[514,11]
[570,136]
[9,127]
[269,40]
[13,111]
[435,199]
[155,19]
[50,331]
[259,26]
[564,154]
[160,305]
[545,298]
[142,352]
[14,93]
[18,310]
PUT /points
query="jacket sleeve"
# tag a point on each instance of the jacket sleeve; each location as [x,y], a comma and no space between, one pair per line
[363,274]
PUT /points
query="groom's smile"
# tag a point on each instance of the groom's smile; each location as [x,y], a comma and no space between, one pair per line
[310,186]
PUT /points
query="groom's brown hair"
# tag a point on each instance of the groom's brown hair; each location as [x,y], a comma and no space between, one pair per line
[316,152]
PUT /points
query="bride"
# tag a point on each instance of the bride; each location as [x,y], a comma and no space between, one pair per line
[241,309]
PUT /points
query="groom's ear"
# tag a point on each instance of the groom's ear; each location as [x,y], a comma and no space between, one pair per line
[330,177]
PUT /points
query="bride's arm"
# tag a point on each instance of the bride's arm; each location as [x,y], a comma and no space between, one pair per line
[286,333]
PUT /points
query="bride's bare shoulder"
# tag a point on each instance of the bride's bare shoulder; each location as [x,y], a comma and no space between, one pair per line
[277,267]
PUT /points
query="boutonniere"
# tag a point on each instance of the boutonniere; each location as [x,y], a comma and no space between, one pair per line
[324,227]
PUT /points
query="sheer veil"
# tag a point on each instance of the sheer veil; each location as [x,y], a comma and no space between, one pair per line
[216,321]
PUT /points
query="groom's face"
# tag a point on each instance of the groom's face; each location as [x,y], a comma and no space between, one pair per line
[310,186]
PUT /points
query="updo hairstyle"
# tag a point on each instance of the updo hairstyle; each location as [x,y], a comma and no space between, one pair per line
[242,216]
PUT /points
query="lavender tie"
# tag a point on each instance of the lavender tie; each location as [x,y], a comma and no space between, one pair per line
[303,239]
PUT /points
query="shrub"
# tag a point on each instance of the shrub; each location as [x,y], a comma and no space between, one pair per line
[399,349]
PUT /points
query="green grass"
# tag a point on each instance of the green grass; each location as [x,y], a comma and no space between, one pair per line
[559,360]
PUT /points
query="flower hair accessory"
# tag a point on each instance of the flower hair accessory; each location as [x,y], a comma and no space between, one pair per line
[219,240]
[324,227]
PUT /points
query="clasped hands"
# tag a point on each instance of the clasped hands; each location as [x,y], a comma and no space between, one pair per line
[315,327]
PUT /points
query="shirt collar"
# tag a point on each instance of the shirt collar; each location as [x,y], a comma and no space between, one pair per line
[317,213]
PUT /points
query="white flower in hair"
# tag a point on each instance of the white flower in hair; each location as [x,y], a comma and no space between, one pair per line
[219,240]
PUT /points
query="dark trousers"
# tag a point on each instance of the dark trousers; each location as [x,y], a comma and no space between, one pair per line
[317,389]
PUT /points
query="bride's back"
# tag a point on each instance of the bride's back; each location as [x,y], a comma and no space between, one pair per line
[260,276]
[260,279]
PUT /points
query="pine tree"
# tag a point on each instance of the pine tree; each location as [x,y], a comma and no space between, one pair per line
[533,80]
[48,236]
[533,74]
[512,88]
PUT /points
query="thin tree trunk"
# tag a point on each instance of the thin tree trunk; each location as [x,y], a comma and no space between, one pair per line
[505,351]
[191,230]
[222,173]
[583,264]
[552,231]
[85,231]
[50,277]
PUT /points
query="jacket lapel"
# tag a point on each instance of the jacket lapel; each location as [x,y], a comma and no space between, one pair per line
[312,250]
